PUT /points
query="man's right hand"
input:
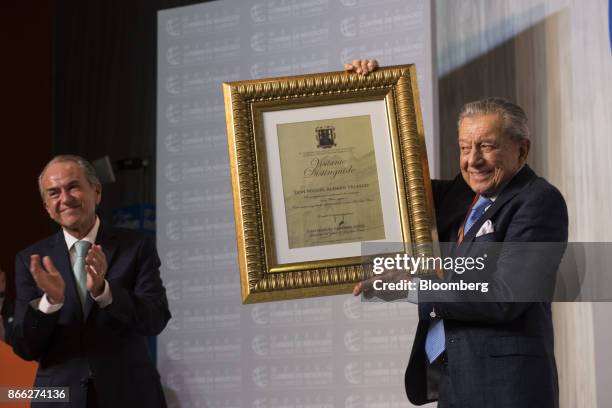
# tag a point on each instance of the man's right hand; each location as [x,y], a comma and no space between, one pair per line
[48,279]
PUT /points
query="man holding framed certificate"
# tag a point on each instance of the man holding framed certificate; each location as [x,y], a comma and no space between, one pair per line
[496,353]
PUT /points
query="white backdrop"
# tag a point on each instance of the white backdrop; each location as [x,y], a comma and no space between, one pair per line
[216,352]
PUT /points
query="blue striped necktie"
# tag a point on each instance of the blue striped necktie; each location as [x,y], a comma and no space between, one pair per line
[479,208]
[434,342]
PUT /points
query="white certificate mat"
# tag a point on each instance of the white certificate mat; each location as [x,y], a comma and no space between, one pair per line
[386,176]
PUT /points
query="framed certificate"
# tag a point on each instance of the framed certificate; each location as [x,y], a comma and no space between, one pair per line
[321,164]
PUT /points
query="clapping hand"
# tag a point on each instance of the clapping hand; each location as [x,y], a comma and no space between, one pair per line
[96,266]
[48,279]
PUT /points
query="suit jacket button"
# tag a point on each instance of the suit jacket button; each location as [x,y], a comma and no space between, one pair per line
[452,340]
[432,314]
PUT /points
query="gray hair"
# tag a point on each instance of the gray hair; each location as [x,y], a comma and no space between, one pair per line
[514,120]
[90,171]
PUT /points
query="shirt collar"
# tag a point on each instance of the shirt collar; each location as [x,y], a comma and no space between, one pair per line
[90,237]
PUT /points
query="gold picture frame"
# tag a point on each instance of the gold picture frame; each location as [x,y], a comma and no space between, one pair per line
[251,106]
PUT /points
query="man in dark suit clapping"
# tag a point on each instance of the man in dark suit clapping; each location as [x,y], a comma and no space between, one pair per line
[88,297]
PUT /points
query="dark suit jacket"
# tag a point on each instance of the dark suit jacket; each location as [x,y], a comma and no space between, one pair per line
[500,354]
[106,347]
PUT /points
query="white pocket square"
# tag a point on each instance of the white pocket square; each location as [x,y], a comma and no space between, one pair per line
[486,228]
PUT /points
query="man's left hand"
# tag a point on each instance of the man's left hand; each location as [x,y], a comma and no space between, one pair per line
[96,270]
[362,66]
[366,287]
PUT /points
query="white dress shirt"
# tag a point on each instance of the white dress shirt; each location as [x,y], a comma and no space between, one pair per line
[103,300]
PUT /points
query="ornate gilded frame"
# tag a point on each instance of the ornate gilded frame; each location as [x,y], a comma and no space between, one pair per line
[262,279]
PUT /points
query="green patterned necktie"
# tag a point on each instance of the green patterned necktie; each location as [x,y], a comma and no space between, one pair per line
[81,248]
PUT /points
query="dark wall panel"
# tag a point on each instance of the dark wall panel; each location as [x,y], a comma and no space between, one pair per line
[26,44]
[105,80]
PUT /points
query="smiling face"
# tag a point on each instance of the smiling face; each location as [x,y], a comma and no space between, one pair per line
[69,198]
[488,158]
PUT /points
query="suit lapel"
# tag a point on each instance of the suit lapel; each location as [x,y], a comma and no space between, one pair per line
[451,207]
[523,178]
[106,239]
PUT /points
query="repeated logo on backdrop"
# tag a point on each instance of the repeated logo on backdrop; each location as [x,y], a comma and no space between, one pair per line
[216,352]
